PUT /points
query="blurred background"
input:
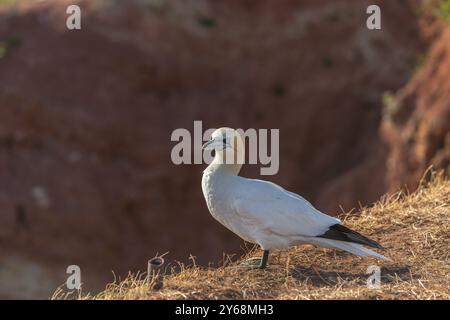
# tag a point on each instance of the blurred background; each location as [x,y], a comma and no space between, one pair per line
[86,118]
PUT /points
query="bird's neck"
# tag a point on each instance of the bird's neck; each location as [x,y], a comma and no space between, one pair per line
[219,164]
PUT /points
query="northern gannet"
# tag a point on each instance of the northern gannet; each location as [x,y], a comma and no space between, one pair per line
[264,213]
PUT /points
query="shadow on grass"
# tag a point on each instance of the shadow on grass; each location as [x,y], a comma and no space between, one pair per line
[319,278]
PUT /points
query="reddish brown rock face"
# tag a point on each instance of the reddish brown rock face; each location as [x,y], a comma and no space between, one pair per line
[416,126]
[86,118]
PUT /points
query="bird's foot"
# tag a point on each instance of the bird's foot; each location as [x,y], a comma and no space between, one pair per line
[252,263]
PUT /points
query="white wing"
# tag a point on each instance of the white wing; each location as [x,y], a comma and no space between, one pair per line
[272,208]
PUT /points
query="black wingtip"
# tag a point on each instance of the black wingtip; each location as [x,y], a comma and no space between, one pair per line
[342,233]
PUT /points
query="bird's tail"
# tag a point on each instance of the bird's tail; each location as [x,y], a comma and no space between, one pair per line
[354,248]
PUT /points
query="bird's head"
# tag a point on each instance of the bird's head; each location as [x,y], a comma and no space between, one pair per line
[220,139]
[228,145]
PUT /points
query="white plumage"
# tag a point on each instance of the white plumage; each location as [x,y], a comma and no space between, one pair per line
[264,213]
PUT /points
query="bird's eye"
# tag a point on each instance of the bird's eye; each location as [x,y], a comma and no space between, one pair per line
[224,140]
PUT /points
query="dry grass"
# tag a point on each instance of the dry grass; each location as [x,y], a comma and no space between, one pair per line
[414,228]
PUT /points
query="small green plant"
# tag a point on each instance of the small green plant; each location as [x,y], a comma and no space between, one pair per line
[279,91]
[390,105]
[444,10]
[206,22]
[7,2]
[419,62]
[327,62]
[3,50]
[7,45]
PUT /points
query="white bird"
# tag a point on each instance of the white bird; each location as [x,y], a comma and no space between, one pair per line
[264,213]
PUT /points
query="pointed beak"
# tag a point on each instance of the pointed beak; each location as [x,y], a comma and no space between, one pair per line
[207,144]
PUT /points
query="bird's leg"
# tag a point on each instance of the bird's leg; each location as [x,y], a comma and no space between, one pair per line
[256,262]
[264,259]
